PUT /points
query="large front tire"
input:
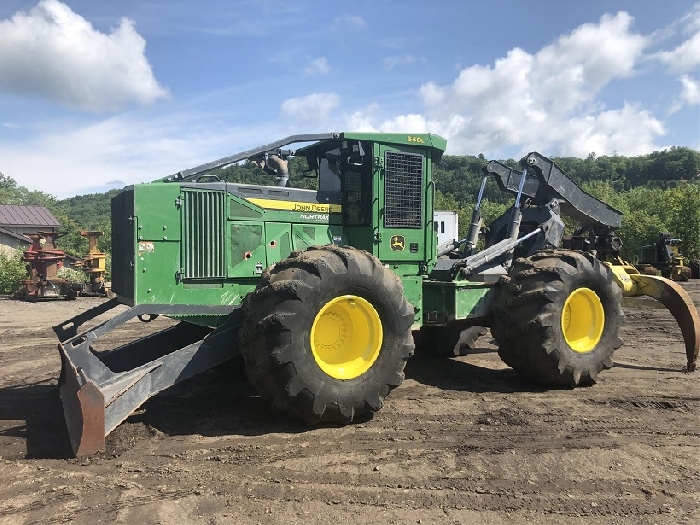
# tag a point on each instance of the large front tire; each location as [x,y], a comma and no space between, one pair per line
[557,318]
[327,334]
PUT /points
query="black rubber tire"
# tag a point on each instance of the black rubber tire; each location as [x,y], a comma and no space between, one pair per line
[528,310]
[447,341]
[279,314]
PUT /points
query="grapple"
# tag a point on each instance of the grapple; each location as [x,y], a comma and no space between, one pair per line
[672,296]
[680,304]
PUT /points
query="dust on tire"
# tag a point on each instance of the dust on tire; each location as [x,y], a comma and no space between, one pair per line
[278,318]
[528,310]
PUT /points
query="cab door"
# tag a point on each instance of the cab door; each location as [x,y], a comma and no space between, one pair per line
[402,189]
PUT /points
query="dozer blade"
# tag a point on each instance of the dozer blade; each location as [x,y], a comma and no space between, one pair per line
[99,390]
[679,303]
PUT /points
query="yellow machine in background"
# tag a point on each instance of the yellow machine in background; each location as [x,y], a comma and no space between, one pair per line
[94,264]
[665,257]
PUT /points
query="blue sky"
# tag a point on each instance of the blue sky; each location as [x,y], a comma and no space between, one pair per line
[99,94]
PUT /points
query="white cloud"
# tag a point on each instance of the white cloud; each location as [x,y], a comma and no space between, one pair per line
[123,150]
[684,58]
[310,110]
[317,66]
[96,154]
[630,130]
[548,101]
[351,21]
[362,119]
[691,90]
[400,60]
[578,66]
[54,53]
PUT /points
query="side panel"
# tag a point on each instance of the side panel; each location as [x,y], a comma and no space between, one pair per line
[305,235]
[403,226]
[445,302]
[203,227]
[201,245]
[247,255]
[413,290]
[182,250]
[158,235]
[123,245]
[278,241]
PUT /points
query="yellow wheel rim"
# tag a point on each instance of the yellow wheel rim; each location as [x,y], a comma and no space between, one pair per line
[582,320]
[346,337]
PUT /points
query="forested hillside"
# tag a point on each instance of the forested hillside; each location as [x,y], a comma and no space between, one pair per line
[656,192]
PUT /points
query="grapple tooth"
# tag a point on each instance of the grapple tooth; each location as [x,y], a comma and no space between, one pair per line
[679,303]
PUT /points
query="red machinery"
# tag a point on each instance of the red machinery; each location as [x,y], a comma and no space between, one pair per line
[43,262]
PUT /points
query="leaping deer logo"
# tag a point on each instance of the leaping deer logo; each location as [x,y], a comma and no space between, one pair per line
[398,243]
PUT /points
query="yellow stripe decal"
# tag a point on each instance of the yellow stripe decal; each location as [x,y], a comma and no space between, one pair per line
[313,207]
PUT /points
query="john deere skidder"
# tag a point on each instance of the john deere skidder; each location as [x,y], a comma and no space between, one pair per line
[322,291]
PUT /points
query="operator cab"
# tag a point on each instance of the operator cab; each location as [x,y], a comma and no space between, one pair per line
[344,170]
[385,184]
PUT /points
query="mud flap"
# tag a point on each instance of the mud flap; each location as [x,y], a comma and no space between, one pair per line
[679,303]
[99,390]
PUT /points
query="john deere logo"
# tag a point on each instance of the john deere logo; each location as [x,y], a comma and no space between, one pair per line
[398,243]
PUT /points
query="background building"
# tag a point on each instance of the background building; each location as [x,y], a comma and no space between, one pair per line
[17,220]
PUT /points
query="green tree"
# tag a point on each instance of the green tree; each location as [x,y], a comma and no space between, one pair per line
[683,217]
[72,242]
[7,182]
[8,189]
[639,228]
[12,270]
[447,202]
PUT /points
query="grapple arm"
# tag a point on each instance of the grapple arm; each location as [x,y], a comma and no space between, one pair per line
[550,182]
[672,296]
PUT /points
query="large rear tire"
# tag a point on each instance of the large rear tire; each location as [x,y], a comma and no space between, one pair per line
[557,318]
[327,334]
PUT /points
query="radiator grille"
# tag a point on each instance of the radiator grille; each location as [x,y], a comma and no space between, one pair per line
[403,190]
[204,220]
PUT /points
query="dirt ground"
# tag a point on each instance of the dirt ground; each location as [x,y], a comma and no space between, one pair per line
[462,440]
